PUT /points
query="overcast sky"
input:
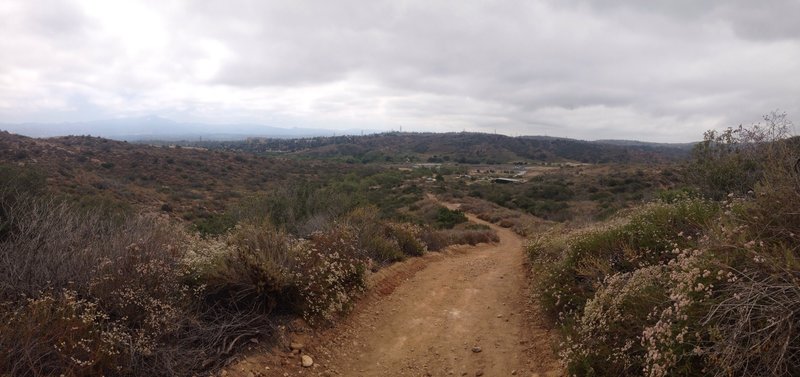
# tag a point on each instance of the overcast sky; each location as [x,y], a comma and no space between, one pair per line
[647,70]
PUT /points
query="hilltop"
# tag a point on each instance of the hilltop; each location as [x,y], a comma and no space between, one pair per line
[461,147]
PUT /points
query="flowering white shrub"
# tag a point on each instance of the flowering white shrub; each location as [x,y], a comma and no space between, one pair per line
[61,334]
[609,285]
[722,300]
[330,273]
[610,327]
[676,336]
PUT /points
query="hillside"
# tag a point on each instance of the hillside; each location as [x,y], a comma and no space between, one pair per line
[101,275]
[461,147]
[205,179]
[188,181]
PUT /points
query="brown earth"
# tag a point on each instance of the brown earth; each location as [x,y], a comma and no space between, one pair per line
[426,316]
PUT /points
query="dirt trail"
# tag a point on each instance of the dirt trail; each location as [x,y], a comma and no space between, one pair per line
[425,316]
[429,324]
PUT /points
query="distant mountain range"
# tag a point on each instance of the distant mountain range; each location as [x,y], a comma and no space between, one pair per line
[151,128]
[343,144]
[158,128]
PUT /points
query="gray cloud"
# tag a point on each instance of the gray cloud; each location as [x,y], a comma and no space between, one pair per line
[664,70]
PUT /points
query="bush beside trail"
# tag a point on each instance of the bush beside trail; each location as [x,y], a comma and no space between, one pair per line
[686,285]
[88,291]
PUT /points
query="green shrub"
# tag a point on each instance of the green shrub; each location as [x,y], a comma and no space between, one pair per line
[373,236]
[16,180]
[382,241]
[556,191]
[214,224]
[647,237]
[548,209]
[447,219]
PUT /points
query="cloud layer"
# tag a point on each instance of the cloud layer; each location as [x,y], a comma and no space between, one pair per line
[662,71]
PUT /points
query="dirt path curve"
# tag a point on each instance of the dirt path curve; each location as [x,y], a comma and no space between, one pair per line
[424,317]
[429,319]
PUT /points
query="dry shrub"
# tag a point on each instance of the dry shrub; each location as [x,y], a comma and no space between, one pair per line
[82,293]
[407,238]
[331,272]
[53,244]
[371,236]
[131,267]
[475,236]
[58,333]
[32,256]
[439,239]
[435,240]
[754,328]
[16,183]
[251,269]
[752,325]
[381,241]
[109,294]
[506,223]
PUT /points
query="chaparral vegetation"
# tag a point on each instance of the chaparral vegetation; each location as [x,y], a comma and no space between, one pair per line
[124,259]
[701,281]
